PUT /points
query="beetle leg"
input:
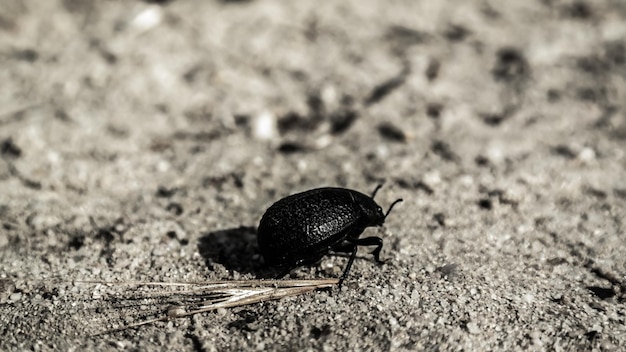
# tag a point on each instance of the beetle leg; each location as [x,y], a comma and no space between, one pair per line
[347,269]
[353,245]
[348,246]
[372,241]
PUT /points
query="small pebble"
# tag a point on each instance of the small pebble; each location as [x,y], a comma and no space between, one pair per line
[147,19]
[264,126]
[473,328]
[528,298]
[586,155]
[15,296]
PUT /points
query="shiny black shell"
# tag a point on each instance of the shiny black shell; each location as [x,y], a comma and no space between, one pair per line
[303,227]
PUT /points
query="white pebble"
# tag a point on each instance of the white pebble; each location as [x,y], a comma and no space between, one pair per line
[15,296]
[587,155]
[473,328]
[264,126]
[147,19]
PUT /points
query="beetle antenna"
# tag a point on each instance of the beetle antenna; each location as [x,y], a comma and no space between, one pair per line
[391,206]
[376,190]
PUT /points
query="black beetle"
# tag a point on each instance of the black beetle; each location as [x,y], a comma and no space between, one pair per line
[300,229]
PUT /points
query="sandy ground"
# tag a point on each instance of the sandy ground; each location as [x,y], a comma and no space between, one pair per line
[143,142]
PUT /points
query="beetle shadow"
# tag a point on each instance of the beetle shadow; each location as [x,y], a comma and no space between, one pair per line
[236,249]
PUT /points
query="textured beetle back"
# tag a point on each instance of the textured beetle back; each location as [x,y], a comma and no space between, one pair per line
[305,225]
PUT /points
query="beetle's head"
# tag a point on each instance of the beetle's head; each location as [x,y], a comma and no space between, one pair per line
[374,212]
[375,215]
[371,213]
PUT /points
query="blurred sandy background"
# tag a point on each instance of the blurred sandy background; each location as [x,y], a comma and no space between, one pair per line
[143,141]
